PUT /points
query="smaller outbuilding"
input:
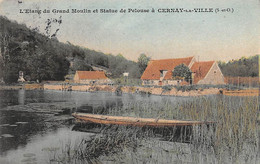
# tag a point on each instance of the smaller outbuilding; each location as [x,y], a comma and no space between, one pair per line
[91,77]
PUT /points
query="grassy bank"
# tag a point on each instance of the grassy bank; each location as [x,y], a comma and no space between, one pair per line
[236,130]
[234,138]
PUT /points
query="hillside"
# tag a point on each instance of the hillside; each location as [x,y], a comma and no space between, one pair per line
[42,57]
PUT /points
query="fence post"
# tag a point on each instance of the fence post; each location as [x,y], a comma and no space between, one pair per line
[249,82]
[238,81]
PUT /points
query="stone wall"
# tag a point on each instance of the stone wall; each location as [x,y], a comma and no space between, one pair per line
[52,87]
[33,86]
[134,89]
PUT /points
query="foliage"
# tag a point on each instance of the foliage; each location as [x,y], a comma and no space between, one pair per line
[80,65]
[231,137]
[143,61]
[23,49]
[1,69]
[114,65]
[242,67]
[205,86]
[182,71]
[167,88]
[235,130]
[127,81]
[232,134]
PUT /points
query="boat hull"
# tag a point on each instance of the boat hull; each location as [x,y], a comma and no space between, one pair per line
[133,121]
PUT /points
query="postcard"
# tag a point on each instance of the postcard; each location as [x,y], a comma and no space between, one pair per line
[138,81]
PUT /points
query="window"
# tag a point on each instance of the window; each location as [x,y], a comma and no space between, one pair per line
[163,73]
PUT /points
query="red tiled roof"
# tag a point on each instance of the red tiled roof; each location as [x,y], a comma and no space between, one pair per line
[152,71]
[84,75]
[201,69]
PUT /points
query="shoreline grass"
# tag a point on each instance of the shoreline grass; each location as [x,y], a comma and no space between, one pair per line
[234,139]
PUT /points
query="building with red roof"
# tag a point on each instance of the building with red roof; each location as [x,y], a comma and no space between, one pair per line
[159,72]
[91,77]
[207,72]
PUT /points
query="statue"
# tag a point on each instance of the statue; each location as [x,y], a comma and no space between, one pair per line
[21,79]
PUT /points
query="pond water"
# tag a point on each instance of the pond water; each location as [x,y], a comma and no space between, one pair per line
[24,137]
[27,138]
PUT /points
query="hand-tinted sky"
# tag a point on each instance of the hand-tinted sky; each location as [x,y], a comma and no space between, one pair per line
[211,36]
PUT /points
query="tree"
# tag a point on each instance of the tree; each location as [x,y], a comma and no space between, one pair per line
[143,62]
[242,67]
[10,73]
[1,67]
[81,65]
[23,49]
[182,72]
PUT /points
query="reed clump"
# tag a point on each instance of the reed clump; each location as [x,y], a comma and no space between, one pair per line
[109,142]
[234,138]
[234,135]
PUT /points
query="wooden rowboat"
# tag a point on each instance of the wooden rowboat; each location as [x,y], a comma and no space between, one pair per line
[133,121]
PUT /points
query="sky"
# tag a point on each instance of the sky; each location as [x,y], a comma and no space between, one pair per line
[207,36]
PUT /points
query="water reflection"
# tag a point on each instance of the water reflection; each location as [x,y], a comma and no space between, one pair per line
[16,97]
[24,133]
[39,146]
[21,97]
[21,126]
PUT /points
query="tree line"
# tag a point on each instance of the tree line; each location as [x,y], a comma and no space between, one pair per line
[243,67]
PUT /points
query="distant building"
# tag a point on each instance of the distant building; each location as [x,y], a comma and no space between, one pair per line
[159,72]
[126,74]
[91,77]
